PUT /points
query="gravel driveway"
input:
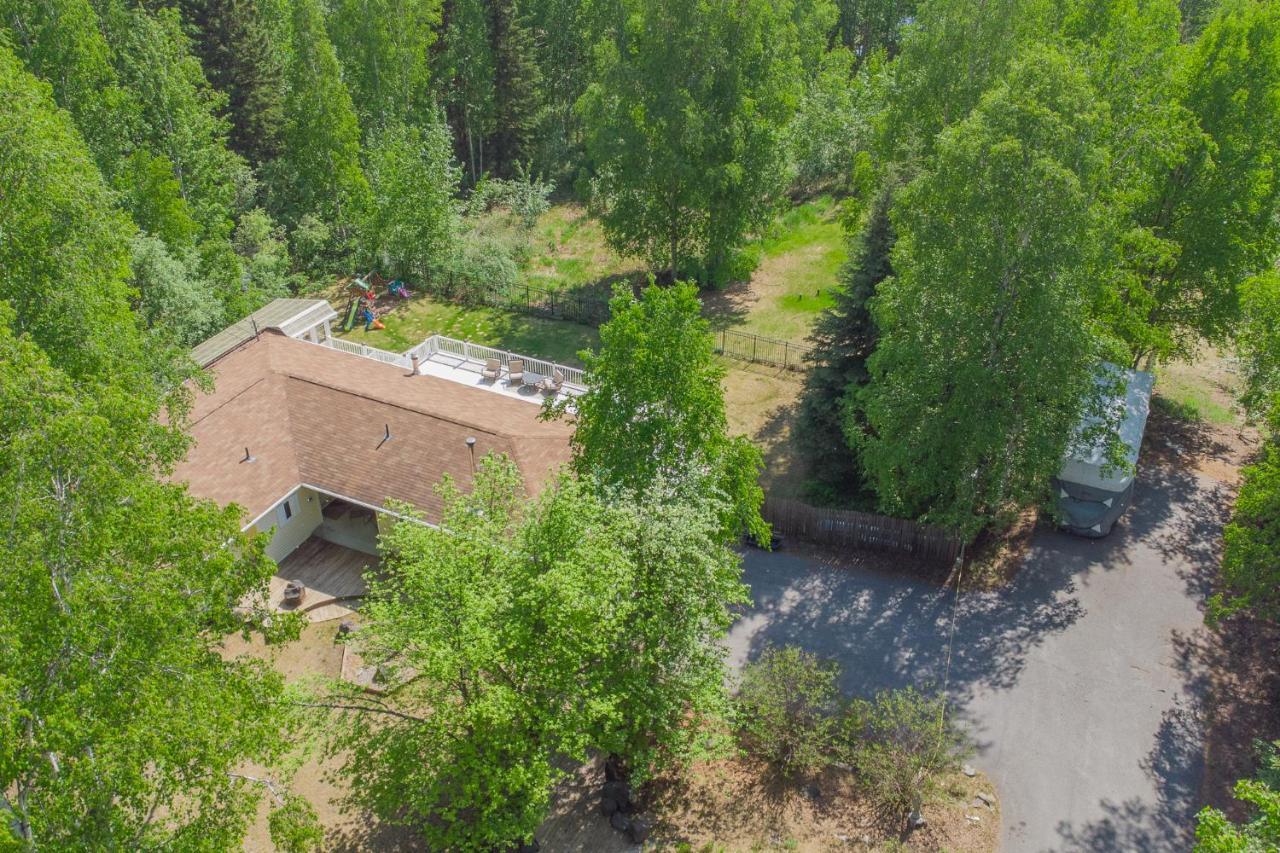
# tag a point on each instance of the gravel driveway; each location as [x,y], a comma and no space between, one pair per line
[1078,683]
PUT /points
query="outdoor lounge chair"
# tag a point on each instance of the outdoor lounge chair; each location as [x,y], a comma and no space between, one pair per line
[552,384]
[492,369]
[515,372]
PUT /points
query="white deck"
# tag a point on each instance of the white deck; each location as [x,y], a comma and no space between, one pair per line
[468,371]
[464,362]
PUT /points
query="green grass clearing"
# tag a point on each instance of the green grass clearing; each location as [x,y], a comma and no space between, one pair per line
[800,256]
[1204,389]
[412,323]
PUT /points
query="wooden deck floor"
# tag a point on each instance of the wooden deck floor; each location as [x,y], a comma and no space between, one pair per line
[328,571]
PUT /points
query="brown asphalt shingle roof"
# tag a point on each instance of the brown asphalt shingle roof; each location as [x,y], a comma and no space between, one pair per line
[312,414]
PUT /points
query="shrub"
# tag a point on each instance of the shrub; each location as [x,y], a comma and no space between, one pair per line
[785,709]
[899,743]
[295,826]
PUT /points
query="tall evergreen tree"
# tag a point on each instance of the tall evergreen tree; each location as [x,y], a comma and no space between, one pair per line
[242,52]
[843,339]
[464,72]
[517,85]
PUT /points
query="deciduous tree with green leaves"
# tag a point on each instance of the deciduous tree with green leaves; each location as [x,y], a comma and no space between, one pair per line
[987,354]
[318,172]
[1251,540]
[654,407]
[123,726]
[1258,343]
[684,123]
[518,634]
[413,218]
[385,50]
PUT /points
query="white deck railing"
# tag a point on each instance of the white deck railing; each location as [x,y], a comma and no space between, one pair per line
[480,354]
[474,353]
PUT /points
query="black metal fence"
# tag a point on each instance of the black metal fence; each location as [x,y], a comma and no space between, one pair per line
[593,311]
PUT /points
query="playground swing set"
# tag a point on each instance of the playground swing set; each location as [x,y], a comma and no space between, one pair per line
[364,300]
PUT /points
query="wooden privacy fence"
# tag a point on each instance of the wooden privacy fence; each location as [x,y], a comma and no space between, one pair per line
[847,528]
[592,311]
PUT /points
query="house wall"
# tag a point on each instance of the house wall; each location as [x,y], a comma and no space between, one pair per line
[358,534]
[288,534]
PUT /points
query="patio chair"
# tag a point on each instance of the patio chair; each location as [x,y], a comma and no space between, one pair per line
[515,371]
[492,369]
[553,384]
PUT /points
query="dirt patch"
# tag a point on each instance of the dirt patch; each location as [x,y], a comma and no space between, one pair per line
[998,557]
[1216,451]
[737,804]
[761,403]
[1244,705]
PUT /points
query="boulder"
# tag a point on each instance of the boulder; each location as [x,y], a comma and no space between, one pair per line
[639,832]
[619,792]
[969,771]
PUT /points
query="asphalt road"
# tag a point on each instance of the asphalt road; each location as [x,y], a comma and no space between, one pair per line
[1079,684]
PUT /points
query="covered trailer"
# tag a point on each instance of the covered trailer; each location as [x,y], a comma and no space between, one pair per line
[1092,492]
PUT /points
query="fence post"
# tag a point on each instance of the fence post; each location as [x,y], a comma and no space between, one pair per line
[755,339]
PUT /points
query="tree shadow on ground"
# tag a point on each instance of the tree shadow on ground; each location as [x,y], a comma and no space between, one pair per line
[1167,823]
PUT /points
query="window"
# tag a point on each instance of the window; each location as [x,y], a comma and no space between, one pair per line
[284,512]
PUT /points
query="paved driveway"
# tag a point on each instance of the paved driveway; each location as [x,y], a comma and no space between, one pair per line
[1078,684]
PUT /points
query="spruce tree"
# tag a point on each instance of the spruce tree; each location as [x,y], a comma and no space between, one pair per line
[242,56]
[516,87]
[843,338]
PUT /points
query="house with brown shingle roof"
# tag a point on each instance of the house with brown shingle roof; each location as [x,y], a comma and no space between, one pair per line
[312,436]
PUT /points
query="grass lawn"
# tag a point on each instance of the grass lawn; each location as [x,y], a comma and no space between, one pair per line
[570,253]
[415,321]
[1204,389]
[800,255]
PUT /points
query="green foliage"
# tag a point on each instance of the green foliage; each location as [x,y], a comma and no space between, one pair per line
[384,47]
[61,42]
[295,826]
[843,339]
[518,634]
[785,709]
[685,122]
[524,196]
[1210,220]
[1251,540]
[833,120]
[949,58]
[413,218]
[517,87]
[124,726]
[1258,341]
[868,26]
[464,72]
[318,172]
[153,197]
[1215,833]
[899,743]
[64,258]
[170,299]
[180,114]
[986,355]
[654,407]
[241,45]
[261,245]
